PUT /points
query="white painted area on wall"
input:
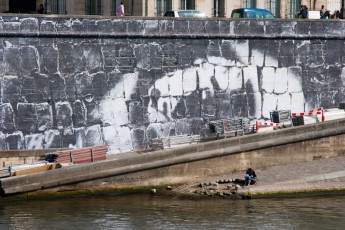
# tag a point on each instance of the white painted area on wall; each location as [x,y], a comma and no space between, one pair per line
[270,88]
[222,77]
[268,74]
[281,81]
[205,73]
[175,84]
[189,78]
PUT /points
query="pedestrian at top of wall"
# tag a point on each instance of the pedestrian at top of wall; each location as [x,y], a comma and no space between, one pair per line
[336,14]
[304,12]
[40,9]
[120,11]
[342,13]
[322,12]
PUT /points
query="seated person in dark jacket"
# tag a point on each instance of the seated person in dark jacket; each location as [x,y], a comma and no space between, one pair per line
[250,177]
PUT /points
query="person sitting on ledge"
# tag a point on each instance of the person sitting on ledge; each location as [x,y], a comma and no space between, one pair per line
[40,9]
[250,177]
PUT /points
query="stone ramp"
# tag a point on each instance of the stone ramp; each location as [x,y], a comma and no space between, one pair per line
[161,163]
[318,175]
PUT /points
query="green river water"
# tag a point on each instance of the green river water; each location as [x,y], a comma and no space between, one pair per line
[150,212]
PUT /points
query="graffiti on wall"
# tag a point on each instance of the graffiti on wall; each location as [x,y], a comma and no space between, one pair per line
[76,93]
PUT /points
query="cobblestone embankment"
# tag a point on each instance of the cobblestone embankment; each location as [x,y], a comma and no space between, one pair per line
[307,178]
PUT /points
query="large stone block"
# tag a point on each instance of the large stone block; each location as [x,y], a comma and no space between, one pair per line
[138,137]
[80,140]
[34,141]
[2,141]
[104,26]
[10,89]
[28,60]
[239,106]
[44,116]
[49,59]
[26,119]
[93,58]
[36,88]
[197,27]
[68,138]
[29,25]
[63,114]
[183,126]
[1,63]
[48,26]
[11,60]
[57,87]
[135,27]
[212,28]
[141,53]
[249,27]
[208,105]
[52,139]
[99,85]
[15,141]
[151,26]
[154,130]
[284,28]
[84,86]
[120,26]
[11,25]
[6,117]
[135,112]
[78,116]
[93,136]
[70,84]
[71,58]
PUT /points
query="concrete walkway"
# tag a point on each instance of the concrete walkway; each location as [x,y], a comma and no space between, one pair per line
[318,175]
[321,175]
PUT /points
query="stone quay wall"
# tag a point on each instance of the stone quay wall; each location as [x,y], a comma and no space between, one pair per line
[77,82]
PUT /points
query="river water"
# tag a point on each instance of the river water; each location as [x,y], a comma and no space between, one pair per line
[152,212]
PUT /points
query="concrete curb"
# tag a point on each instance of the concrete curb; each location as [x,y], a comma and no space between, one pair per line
[316,183]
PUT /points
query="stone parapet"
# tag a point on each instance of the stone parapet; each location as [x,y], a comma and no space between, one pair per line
[138,27]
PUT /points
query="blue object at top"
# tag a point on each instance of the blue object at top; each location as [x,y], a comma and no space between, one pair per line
[251,13]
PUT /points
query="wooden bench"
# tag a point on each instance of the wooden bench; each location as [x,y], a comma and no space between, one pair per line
[174,141]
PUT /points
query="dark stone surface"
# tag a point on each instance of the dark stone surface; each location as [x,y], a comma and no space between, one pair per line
[52,139]
[44,116]
[138,135]
[64,115]
[34,141]
[10,89]
[93,136]
[15,141]
[62,79]
[26,119]
[6,115]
